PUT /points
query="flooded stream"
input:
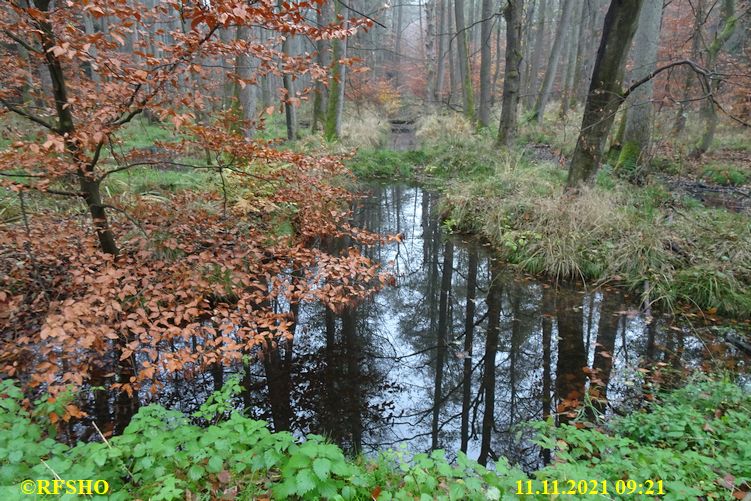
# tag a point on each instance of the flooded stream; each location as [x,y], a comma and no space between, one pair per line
[462,350]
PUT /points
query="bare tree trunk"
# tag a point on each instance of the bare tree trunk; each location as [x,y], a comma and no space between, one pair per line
[511,81]
[536,59]
[333,128]
[228,88]
[680,119]
[429,49]
[555,56]
[398,43]
[468,100]
[638,129]
[573,47]
[581,47]
[323,58]
[497,72]
[245,92]
[441,65]
[605,91]
[290,112]
[486,27]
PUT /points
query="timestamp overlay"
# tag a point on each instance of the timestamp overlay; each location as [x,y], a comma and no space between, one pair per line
[587,487]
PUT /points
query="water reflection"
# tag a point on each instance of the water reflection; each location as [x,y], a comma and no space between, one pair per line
[459,353]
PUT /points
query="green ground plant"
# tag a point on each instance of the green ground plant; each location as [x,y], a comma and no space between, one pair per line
[693,440]
[726,175]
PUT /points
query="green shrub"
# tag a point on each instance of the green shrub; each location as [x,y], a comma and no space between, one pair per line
[385,163]
[694,441]
[725,175]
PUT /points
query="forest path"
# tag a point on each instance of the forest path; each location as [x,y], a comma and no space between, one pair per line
[403,134]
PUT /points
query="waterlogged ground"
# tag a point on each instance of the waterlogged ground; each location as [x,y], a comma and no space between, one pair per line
[463,351]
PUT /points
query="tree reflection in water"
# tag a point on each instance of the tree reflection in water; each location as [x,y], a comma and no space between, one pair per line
[459,354]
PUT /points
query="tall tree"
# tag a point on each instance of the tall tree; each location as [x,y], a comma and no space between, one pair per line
[696,37]
[605,91]
[323,58]
[555,56]
[443,29]
[468,99]
[507,129]
[536,55]
[486,61]
[333,127]
[573,50]
[638,127]
[430,48]
[245,88]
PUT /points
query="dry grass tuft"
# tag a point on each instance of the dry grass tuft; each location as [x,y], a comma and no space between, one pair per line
[366,129]
[434,130]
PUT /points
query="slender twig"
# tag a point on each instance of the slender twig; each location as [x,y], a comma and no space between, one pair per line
[104,439]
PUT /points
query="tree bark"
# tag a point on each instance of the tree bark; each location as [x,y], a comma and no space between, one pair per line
[573,48]
[430,50]
[333,128]
[443,24]
[486,27]
[509,109]
[245,94]
[536,59]
[468,100]
[605,91]
[555,56]
[323,58]
[680,119]
[87,181]
[637,134]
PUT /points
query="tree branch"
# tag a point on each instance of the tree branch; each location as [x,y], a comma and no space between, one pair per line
[29,116]
[683,62]
[21,42]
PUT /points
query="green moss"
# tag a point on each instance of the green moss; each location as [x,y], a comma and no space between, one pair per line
[628,160]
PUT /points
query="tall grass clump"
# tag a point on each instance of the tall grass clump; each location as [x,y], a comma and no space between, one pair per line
[365,128]
[435,130]
[657,245]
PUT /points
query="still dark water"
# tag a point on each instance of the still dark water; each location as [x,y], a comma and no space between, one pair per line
[463,350]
